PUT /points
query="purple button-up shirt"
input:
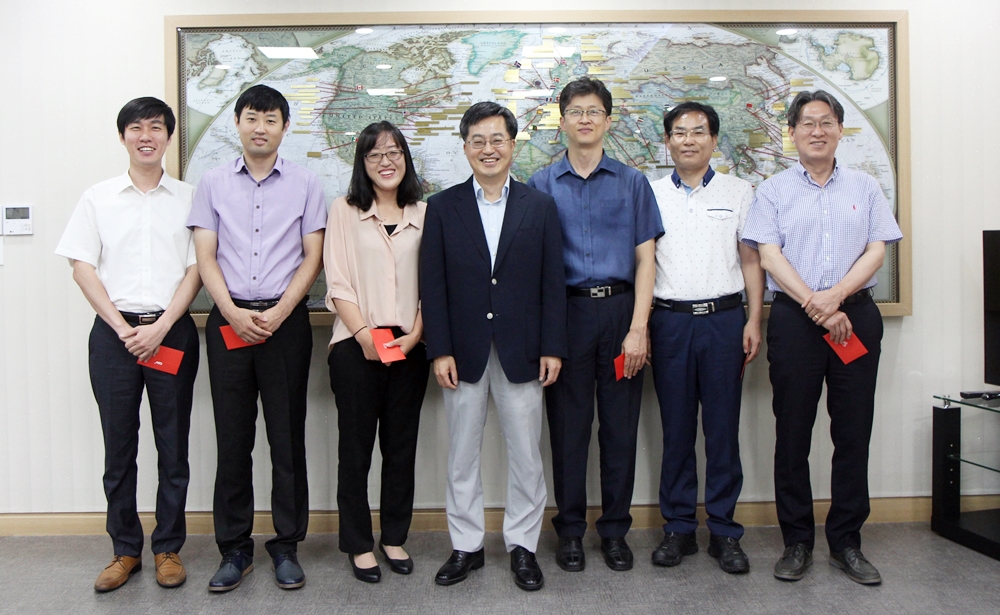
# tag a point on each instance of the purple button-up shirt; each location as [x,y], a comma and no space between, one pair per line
[260,224]
[822,230]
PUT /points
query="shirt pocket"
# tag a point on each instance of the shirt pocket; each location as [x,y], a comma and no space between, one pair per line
[719,213]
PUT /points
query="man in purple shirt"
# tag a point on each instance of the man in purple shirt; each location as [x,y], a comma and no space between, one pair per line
[258,231]
[821,230]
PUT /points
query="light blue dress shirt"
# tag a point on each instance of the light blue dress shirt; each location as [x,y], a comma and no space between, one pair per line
[492,213]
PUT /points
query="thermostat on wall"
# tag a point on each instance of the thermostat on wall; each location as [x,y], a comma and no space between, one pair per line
[17,220]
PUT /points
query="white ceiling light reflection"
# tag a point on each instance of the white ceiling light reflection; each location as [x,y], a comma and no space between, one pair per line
[786,32]
[383,66]
[289,53]
[364,30]
[718,78]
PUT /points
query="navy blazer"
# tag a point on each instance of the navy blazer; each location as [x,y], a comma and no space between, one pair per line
[520,305]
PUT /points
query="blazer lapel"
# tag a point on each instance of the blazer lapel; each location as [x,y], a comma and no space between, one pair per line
[468,211]
[517,206]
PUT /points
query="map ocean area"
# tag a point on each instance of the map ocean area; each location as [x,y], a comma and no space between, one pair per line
[423,78]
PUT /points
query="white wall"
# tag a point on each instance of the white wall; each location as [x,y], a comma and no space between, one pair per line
[69,66]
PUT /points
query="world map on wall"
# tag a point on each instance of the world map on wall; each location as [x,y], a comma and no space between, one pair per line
[422,78]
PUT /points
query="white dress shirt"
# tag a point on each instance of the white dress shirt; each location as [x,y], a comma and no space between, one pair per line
[698,255]
[139,243]
[492,213]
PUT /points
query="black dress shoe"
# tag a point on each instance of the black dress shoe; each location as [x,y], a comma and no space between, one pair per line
[527,574]
[569,555]
[856,565]
[457,568]
[368,575]
[288,573]
[399,566]
[617,555]
[793,562]
[235,565]
[673,548]
[730,554]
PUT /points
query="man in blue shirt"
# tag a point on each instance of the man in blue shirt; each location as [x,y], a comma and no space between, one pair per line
[610,223]
[821,230]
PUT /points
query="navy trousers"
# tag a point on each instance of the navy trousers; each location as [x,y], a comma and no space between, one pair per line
[278,371]
[699,359]
[800,362]
[118,381]
[597,328]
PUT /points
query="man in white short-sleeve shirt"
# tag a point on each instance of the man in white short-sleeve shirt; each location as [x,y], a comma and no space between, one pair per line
[701,338]
[133,257]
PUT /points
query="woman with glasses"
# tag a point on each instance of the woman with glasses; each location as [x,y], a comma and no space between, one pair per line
[370,256]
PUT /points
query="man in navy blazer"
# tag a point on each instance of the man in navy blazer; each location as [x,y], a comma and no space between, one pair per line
[493,300]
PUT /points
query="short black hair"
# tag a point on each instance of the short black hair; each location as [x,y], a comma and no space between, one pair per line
[262,98]
[804,98]
[146,108]
[582,87]
[692,107]
[485,110]
[361,192]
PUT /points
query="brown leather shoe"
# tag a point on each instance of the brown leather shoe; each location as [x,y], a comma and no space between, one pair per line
[117,572]
[169,570]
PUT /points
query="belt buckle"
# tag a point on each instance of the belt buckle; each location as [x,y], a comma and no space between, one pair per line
[700,309]
[147,319]
[600,292]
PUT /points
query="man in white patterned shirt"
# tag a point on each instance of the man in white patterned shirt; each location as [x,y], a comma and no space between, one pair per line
[701,338]
[821,229]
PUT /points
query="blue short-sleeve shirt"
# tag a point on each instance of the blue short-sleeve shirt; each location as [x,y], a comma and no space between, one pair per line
[604,217]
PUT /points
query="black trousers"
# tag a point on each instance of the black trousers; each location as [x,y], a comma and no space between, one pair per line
[800,360]
[277,370]
[373,397]
[118,381]
[597,329]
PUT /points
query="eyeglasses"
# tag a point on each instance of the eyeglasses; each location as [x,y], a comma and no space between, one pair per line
[375,157]
[594,114]
[695,133]
[480,143]
[809,125]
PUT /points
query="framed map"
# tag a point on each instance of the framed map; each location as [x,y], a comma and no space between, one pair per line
[422,75]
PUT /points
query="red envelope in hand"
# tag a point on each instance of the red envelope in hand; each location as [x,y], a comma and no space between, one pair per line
[847,350]
[165,360]
[393,353]
[620,366]
[234,341]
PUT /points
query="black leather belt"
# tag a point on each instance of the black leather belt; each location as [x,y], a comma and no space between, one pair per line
[598,292]
[701,308]
[858,297]
[257,306]
[146,318]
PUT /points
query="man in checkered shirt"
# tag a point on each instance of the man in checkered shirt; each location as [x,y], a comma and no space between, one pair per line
[821,230]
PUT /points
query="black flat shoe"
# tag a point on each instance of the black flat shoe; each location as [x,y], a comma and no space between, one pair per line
[527,574]
[399,566]
[569,555]
[457,568]
[368,575]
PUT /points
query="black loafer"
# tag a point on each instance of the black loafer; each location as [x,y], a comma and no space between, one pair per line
[793,562]
[287,572]
[569,555]
[617,555]
[368,575]
[235,565]
[673,548]
[730,554]
[527,574]
[399,566]
[856,566]
[457,568]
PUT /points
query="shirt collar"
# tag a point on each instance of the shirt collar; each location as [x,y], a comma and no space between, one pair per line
[709,174]
[481,195]
[562,166]
[124,182]
[240,165]
[409,215]
[804,174]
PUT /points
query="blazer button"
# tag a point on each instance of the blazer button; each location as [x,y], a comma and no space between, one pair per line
[489,316]
[494,280]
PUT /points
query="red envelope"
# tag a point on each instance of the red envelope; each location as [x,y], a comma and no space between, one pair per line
[165,360]
[620,366]
[847,350]
[390,354]
[234,341]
